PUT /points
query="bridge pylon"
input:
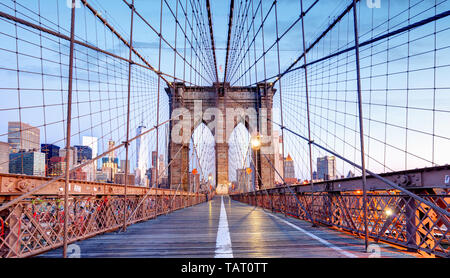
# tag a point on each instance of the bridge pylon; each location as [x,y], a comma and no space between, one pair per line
[221,108]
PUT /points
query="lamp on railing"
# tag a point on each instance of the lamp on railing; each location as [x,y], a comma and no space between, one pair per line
[255,141]
[388,212]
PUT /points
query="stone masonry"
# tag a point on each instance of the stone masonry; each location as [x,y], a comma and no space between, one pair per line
[220,107]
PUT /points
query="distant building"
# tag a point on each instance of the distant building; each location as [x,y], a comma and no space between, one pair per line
[141,156]
[100,176]
[152,176]
[4,158]
[78,174]
[27,163]
[326,167]
[22,136]
[84,153]
[194,182]
[154,158]
[92,142]
[244,180]
[350,174]
[162,171]
[110,164]
[148,174]
[122,165]
[50,151]
[56,166]
[278,155]
[151,173]
[119,178]
[73,156]
[90,171]
[164,182]
[139,131]
[289,170]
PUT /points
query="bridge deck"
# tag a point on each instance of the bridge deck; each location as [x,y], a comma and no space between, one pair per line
[193,232]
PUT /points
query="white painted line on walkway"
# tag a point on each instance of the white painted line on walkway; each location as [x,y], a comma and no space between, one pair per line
[223,241]
[321,240]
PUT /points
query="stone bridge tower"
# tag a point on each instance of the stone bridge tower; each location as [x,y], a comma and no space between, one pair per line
[220,107]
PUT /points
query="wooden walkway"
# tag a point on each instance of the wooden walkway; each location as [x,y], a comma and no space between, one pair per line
[244,231]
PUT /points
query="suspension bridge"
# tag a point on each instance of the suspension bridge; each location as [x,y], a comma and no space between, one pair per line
[226,129]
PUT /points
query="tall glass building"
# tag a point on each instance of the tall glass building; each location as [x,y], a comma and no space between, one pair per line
[27,163]
[22,136]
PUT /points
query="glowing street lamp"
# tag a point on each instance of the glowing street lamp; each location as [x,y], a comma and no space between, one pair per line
[255,142]
[388,212]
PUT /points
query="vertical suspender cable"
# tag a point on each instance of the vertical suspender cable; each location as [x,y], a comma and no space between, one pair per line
[127,143]
[159,88]
[69,122]
[361,130]
[308,114]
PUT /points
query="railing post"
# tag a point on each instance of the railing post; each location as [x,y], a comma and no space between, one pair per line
[361,130]
[411,211]
[127,143]
[68,129]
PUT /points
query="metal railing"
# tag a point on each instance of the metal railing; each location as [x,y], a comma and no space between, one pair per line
[392,217]
[36,225]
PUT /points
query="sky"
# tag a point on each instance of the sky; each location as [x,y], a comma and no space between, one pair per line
[405,90]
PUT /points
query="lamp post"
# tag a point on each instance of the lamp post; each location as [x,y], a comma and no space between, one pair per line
[255,143]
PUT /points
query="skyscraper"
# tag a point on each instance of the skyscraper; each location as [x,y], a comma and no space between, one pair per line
[27,163]
[22,136]
[4,158]
[73,156]
[50,151]
[139,131]
[110,164]
[326,167]
[56,166]
[141,156]
[122,165]
[91,142]
[83,153]
[162,171]
[289,170]
[277,155]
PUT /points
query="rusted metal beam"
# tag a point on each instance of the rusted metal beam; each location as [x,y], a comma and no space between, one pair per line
[12,186]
